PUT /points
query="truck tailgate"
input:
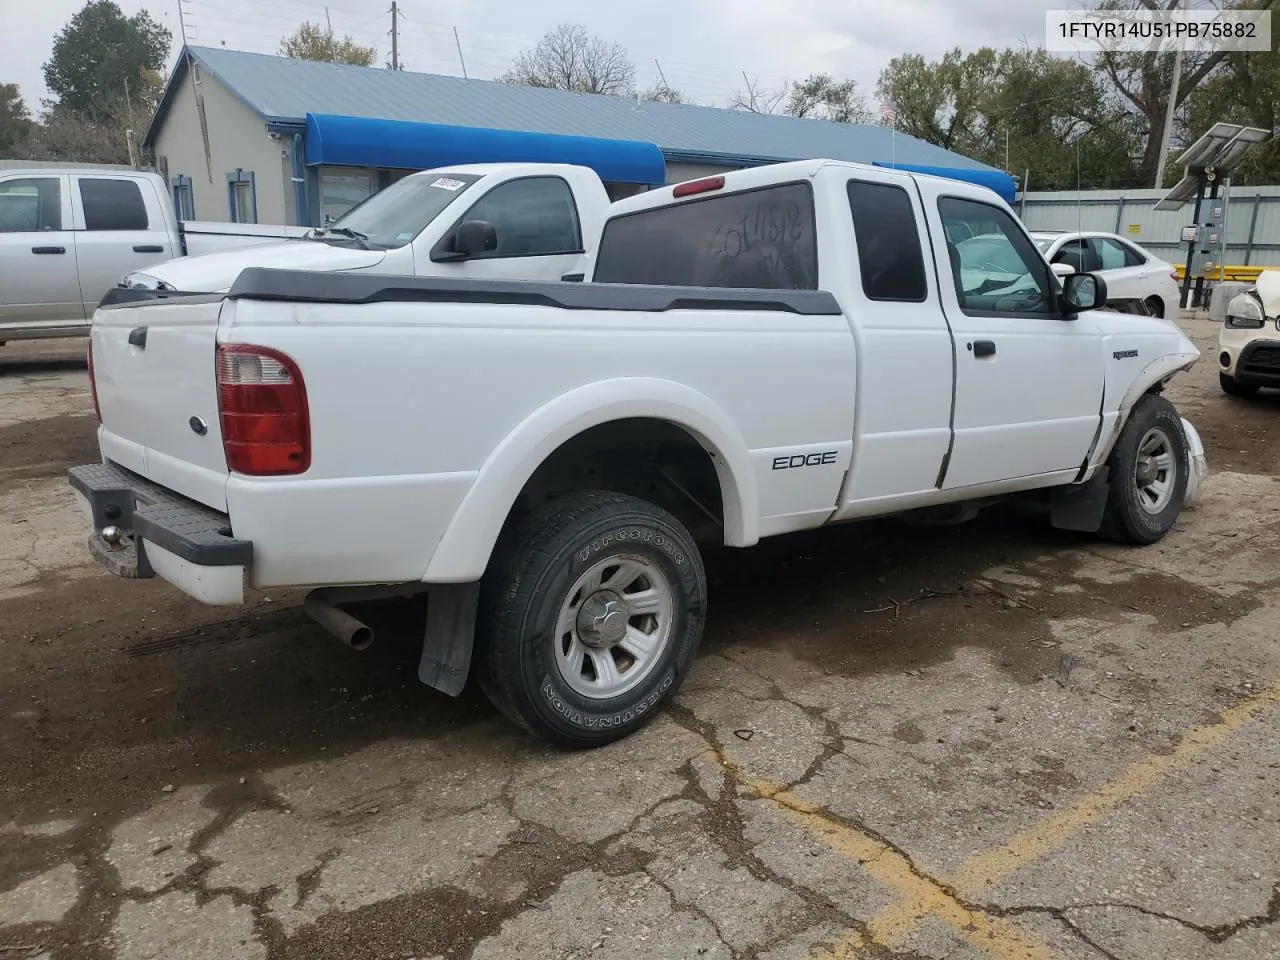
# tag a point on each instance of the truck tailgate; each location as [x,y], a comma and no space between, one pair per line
[153,367]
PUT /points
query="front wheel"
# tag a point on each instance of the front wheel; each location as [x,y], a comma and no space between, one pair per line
[1149,469]
[1234,388]
[592,613]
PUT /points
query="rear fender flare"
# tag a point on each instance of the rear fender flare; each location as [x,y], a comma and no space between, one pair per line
[463,552]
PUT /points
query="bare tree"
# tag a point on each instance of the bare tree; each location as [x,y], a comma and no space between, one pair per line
[819,95]
[757,98]
[569,58]
[661,93]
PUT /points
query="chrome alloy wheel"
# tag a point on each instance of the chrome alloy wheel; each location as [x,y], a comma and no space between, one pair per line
[1155,470]
[614,626]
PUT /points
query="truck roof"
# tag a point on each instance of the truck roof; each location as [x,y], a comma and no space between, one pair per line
[773,173]
[481,169]
[75,172]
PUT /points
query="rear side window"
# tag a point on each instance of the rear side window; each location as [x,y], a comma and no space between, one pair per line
[112,205]
[888,238]
[754,238]
[1114,255]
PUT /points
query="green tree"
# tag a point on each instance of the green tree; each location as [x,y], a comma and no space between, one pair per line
[1245,90]
[1142,81]
[15,122]
[102,59]
[314,42]
[820,95]
[1015,109]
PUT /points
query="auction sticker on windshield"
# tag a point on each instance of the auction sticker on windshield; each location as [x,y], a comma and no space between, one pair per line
[448,184]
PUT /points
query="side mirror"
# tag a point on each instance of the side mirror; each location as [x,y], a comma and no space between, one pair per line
[1062,269]
[474,237]
[1083,291]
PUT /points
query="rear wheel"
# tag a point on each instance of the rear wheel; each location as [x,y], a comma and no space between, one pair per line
[1155,306]
[592,613]
[1149,468]
[1234,388]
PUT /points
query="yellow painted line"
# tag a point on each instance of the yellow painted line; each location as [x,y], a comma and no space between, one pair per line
[984,870]
[921,896]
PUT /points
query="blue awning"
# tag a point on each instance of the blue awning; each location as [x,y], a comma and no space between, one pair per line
[405,145]
[998,181]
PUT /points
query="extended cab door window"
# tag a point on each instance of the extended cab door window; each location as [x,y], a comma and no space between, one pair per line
[997,270]
[761,238]
[889,253]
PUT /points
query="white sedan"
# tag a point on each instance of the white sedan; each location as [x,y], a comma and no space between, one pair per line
[1131,272]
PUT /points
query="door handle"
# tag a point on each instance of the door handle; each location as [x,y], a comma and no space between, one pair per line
[48,249]
[148,248]
[138,337]
[983,348]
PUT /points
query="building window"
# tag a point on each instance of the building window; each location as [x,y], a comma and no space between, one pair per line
[242,197]
[341,190]
[184,201]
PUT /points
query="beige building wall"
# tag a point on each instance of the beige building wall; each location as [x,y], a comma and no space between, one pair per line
[238,138]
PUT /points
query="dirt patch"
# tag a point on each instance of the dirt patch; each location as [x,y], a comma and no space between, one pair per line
[46,448]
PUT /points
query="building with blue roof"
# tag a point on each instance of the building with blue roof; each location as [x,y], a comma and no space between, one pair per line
[265,139]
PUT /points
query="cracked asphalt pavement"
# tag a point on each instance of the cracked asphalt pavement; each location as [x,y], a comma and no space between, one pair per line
[990,740]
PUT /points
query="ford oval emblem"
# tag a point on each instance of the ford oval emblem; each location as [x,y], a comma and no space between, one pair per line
[199,426]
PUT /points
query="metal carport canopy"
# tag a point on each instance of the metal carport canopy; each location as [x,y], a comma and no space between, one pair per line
[407,145]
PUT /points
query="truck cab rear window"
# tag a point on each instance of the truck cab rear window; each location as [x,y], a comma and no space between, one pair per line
[752,238]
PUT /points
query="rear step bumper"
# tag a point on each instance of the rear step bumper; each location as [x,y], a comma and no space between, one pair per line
[160,533]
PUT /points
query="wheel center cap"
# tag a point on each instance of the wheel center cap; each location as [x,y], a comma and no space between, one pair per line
[1146,471]
[602,620]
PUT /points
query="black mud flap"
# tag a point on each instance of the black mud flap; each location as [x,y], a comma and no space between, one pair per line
[450,636]
[1081,506]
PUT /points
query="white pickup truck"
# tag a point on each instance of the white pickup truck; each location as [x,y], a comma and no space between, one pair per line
[522,221]
[769,351]
[67,236]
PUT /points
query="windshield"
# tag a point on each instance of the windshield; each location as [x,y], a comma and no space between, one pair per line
[394,216]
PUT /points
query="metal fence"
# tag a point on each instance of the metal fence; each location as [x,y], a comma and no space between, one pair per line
[1252,231]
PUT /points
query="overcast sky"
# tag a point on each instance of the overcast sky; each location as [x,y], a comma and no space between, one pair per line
[704,46]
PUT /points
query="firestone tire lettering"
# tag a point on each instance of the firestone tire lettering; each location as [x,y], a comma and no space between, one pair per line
[633,535]
[609,722]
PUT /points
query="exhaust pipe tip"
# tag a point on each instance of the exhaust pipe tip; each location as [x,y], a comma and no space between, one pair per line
[320,607]
[360,639]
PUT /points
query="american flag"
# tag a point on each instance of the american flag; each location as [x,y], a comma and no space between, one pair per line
[888,113]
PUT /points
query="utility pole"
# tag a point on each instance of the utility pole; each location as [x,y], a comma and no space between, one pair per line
[327,22]
[395,37]
[1170,110]
[460,60]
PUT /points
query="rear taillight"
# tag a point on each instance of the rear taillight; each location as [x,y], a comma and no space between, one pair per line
[93,385]
[262,405]
[1174,274]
